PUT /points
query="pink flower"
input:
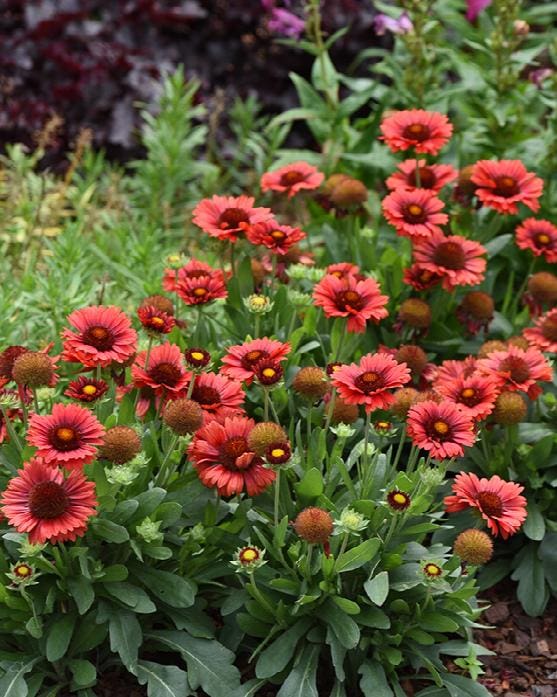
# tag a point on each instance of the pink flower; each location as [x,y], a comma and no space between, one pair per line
[292,178]
[442,429]
[228,217]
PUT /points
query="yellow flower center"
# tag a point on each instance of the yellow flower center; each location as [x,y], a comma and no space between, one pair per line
[89,390]
[200,292]
[269,372]
[22,570]
[467,392]
[277,452]
[157,321]
[65,434]
[369,377]
[433,570]
[441,427]
[249,555]
[383,424]
[258,302]
[197,355]
[542,238]
[399,498]
[414,209]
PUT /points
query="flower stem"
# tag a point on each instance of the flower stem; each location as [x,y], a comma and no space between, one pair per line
[277,498]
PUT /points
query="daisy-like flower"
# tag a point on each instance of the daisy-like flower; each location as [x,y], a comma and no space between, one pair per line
[432,177]
[193,269]
[201,290]
[50,508]
[101,335]
[502,184]
[86,389]
[343,269]
[475,395]
[292,178]
[424,131]
[155,321]
[414,212]
[278,238]
[499,502]
[222,458]
[398,500]
[459,261]
[240,360]
[420,278]
[228,217]
[359,300]
[544,334]
[268,372]
[451,370]
[441,429]
[67,437]
[370,381]
[516,369]
[218,395]
[165,372]
[197,357]
[540,237]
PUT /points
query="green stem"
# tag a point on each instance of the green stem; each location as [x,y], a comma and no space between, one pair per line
[162,474]
[147,354]
[260,597]
[35,401]
[191,386]
[11,431]
[277,498]
[257,322]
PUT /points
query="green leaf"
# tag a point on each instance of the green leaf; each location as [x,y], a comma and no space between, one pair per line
[496,245]
[173,589]
[210,664]
[107,530]
[373,681]
[82,592]
[301,680]
[343,626]
[12,683]
[59,637]
[374,617]
[125,637]
[459,686]
[534,525]
[358,556]
[311,485]
[436,622]
[276,656]
[84,672]
[377,588]
[163,681]
[532,590]
[132,596]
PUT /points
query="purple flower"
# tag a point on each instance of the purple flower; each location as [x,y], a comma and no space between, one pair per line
[384,23]
[284,22]
[475,7]
[539,75]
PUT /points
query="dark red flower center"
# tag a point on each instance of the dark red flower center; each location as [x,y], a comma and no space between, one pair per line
[368,382]
[64,438]
[549,328]
[48,500]
[251,358]
[427,178]
[413,213]
[506,187]
[196,273]
[197,357]
[349,300]
[469,397]
[99,337]
[516,367]
[417,131]
[542,238]
[231,450]
[490,503]
[167,374]
[205,396]
[291,178]
[233,219]
[450,255]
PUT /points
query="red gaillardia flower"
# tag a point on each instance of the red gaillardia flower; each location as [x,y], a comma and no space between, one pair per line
[86,389]
[344,268]
[475,394]
[432,177]
[360,301]
[501,184]
[540,237]
[165,372]
[7,359]
[200,290]
[499,502]
[459,261]
[278,238]
[102,335]
[218,395]
[228,217]
[47,506]
[155,321]
[420,278]
[67,437]
[240,360]
[193,269]
[424,131]
[442,429]
[517,369]
[370,381]
[452,370]
[544,334]
[292,178]
[197,357]
[414,212]
[222,458]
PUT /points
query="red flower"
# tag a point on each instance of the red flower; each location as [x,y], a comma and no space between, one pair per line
[10,413]
[222,458]
[499,502]
[202,289]
[420,278]
[103,335]
[360,301]
[228,217]
[424,131]
[86,389]
[155,321]
[292,178]
[456,370]
[540,237]
[544,335]
[516,369]
[504,183]
[432,177]
[369,382]
[415,212]
[7,359]
[240,360]
[193,269]
[66,437]
[218,395]
[278,238]
[344,268]
[475,394]
[40,502]
[442,429]
[165,372]
[459,261]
